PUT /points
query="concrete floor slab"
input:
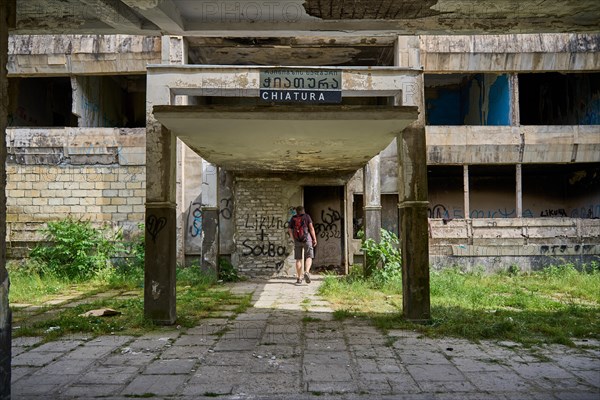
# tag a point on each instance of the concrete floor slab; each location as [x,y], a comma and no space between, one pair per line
[297,357]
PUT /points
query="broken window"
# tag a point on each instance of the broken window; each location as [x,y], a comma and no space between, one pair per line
[446,192]
[44,102]
[561,190]
[553,98]
[110,101]
[492,191]
[467,99]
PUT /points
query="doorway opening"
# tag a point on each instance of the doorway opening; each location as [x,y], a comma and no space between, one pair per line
[325,205]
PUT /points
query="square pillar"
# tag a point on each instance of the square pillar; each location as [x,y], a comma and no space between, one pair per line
[161,224]
[5,313]
[412,193]
[372,203]
[414,224]
[210,217]
[161,212]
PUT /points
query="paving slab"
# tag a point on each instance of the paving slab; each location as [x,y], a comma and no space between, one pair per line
[288,345]
[160,385]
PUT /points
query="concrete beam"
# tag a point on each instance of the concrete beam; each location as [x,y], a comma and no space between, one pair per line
[511,53]
[512,144]
[163,13]
[244,81]
[115,14]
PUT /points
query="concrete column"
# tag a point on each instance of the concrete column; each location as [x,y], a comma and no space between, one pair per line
[519,190]
[175,51]
[515,115]
[412,193]
[161,213]
[467,196]
[372,202]
[5,314]
[210,217]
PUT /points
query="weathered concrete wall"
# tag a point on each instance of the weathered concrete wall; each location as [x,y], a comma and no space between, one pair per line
[325,206]
[192,204]
[96,174]
[467,99]
[528,52]
[226,218]
[81,54]
[97,101]
[528,243]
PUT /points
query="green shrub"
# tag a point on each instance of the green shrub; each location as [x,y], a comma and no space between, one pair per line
[383,259]
[227,272]
[75,250]
[137,249]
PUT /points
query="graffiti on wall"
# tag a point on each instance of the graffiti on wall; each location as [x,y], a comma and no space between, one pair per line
[267,239]
[154,225]
[263,246]
[195,220]
[441,211]
[330,225]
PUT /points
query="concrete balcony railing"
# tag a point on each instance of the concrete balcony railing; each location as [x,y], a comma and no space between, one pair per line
[512,144]
[555,238]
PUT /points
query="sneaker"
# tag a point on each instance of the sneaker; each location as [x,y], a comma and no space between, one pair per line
[307,277]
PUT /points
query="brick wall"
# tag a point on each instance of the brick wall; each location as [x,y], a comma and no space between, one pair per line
[58,173]
[261,215]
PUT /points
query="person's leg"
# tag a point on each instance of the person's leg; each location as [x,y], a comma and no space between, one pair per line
[308,262]
[298,255]
[299,269]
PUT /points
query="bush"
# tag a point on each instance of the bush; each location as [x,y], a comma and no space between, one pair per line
[383,259]
[75,250]
[137,249]
[227,272]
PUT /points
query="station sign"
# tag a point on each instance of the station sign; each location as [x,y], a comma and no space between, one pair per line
[310,86]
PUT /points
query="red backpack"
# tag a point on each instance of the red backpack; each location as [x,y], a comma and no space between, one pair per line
[299,228]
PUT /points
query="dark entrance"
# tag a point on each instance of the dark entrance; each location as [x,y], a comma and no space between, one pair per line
[325,204]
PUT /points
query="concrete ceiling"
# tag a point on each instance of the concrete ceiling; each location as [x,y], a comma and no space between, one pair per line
[244,18]
[319,139]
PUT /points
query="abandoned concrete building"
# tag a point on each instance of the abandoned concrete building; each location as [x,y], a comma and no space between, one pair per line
[512,125]
[470,129]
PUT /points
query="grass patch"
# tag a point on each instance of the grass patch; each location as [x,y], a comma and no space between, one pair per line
[308,319]
[555,305]
[197,295]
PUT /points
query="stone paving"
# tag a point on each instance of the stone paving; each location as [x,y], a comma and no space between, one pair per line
[289,346]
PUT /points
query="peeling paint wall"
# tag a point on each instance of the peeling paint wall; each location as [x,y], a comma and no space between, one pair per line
[65,55]
[479,99]
[97,102]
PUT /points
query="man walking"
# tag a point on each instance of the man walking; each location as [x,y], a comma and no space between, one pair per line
[302,232]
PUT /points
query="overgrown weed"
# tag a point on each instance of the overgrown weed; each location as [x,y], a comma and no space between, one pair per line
[554,305]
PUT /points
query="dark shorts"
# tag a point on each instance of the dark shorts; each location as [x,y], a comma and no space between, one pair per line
[308,250]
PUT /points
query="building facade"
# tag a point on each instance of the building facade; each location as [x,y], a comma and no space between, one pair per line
[512,127]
